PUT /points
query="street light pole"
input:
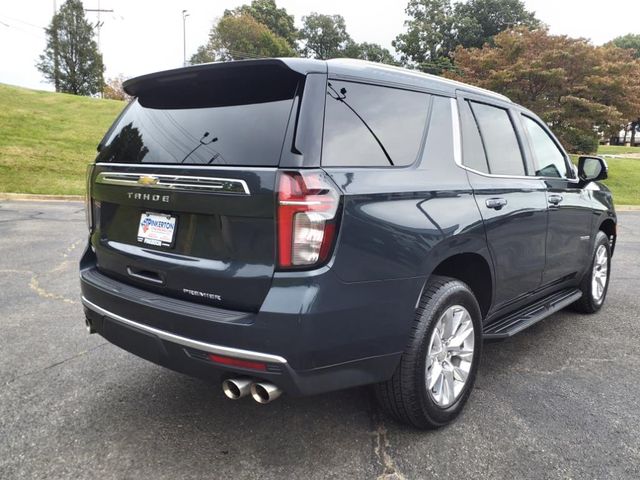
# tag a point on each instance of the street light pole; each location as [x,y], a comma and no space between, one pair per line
[184,38]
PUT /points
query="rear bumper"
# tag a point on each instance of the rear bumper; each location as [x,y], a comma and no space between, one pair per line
[189,356]
[184,341]
[310,338]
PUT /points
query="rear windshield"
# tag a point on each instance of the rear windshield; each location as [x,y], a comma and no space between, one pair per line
[225,120]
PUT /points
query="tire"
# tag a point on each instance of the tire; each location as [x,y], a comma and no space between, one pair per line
[592,298]
[405,397]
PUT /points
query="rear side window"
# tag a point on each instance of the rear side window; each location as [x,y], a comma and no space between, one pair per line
[473,155]
[499,140]
[236,119]
[372,126]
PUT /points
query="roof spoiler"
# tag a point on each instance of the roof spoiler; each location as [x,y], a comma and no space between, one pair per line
[205,71]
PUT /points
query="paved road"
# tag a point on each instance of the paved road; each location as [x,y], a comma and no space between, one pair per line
[561,400]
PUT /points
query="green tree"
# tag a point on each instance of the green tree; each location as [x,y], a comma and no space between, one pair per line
[428,39]
[202,55]
[630,40]
[436,27]
[371,52]
[71,60]
[275,19]
[239,36]
[580,90]
[476,22]
[114,90]
[324,36]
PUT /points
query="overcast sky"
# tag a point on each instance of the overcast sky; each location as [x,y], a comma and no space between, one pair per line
[142,36]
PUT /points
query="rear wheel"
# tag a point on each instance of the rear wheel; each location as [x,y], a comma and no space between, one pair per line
[595,283]
[437,371]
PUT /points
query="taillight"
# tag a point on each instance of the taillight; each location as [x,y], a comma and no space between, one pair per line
[307,210]
[88,207]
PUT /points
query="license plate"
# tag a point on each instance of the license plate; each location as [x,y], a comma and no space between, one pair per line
[157,229]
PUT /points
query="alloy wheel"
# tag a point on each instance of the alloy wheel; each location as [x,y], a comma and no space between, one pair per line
[600,273]
[449,356]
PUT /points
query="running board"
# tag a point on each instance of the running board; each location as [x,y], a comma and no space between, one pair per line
[513,323]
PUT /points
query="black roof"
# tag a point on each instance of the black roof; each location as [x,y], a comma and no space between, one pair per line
[341,67]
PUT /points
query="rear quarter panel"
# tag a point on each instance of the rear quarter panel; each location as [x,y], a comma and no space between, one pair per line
[403,223]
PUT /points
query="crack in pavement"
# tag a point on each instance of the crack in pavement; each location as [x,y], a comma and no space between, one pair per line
[35,286]
[381,447]
[72,247]
[579,363]
[34,283]
[55,364]
[17,272]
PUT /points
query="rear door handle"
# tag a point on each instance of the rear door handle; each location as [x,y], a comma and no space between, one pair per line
[555,199]
[496,203]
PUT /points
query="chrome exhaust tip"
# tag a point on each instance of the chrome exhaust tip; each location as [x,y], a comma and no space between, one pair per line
[235,388]
[265,392]
[88,326]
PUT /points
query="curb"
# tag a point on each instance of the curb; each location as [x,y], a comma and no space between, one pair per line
[41,198]
[627,208]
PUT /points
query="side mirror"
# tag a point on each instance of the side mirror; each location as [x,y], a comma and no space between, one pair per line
[591,169]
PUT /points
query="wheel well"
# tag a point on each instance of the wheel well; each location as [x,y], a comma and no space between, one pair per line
[473,270]
[609,228]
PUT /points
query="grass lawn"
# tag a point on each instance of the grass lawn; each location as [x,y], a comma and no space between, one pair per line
[47,139]
[624,180]
[617,150]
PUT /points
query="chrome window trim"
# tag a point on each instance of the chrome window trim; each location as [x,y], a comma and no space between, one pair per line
[174,182]
[457,152]
[186,167]
[187,342]
[457,137]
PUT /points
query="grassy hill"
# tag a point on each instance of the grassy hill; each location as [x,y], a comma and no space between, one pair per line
[47,139]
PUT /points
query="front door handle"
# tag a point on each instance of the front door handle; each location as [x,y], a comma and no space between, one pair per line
[496,203]
[555,199]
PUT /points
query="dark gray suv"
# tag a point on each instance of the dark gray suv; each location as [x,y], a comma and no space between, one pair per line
[301,226]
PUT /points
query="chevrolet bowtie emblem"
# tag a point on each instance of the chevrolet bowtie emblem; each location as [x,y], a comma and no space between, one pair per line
[148,180]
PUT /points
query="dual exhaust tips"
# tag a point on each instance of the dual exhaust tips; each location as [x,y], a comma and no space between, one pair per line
[261,392]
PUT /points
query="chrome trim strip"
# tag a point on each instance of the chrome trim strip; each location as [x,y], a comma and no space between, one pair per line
[175,182]
[186,167]
[455,129]
[188,342]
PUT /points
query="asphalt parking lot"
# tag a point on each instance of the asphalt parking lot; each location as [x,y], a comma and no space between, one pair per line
[561,400]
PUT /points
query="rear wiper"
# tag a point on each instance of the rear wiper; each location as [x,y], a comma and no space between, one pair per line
[341,98]
[201,143]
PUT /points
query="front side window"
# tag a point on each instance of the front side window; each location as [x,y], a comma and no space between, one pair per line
[549,160]
[372,126]
[499,140]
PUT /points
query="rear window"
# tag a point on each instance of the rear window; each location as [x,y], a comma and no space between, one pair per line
[229,119]
[372,126]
